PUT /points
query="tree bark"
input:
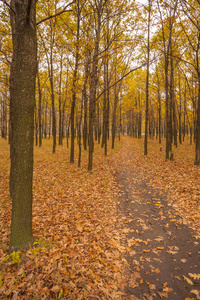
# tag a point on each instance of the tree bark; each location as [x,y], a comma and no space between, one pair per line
[197,144]
[22,103]
[147,83]
[60,103]
[40,111]
[93,85]
[74,85]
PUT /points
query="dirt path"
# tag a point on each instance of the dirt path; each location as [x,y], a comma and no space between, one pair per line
[163,254]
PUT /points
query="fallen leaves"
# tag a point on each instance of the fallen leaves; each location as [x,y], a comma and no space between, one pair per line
[194,276]
[173,250]
[78,251]
[163,294]
[196,293]
[188,280]
[159,212]
[55,289]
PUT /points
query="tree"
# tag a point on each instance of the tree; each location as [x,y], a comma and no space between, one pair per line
[74,88]
[167,41]
[147,81]
[93,81]
[191,10]
[22,103]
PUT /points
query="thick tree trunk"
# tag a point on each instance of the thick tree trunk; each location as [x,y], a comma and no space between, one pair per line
[22,103]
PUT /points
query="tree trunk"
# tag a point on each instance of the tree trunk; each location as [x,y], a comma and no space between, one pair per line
[22,103]
[59,101]
[197,144]
[36,128]
[74,85]
[85,104]
[53,104]
[147,83]
[93,85]
[79,134]
[116,98]
[40,111]
[180,110]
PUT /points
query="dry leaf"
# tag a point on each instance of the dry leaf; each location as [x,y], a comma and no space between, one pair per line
[163,294]
[157,270]
[188,280]
[79,228]
[55,289]
[196,292]
[194,276]
[126,230]
[167,289]
[152,286]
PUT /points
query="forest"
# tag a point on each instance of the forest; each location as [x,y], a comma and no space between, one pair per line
[98,98]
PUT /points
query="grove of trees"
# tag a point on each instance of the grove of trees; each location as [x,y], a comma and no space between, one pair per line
[86,71]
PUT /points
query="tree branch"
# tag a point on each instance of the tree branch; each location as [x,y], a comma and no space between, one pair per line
[132,70]
[8,6]
[57,14]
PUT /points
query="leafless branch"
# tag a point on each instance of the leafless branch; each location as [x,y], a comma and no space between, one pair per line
[57,14]
[125,75]
[6,3]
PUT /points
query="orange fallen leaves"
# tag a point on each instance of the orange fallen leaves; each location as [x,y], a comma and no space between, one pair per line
[78,252]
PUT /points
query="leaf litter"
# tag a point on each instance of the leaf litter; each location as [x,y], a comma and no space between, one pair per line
[181,198]
[77,252]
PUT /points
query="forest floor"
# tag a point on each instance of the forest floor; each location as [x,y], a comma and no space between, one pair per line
[127,230]
[160,207]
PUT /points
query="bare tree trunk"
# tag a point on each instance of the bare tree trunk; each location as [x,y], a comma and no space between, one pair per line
[93,85]
[36,127]
[116,98]
[22,103]
[159,111]
[59,101]
[74,85]
[39,111]
[197,144]
[180,110]
[85,104]
[147,83]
